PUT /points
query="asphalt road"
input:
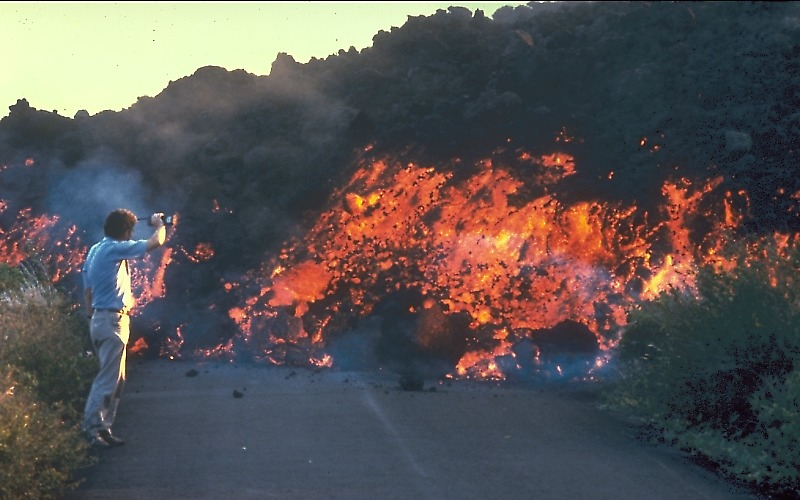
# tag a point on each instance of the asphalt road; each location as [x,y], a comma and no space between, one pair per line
[206,431]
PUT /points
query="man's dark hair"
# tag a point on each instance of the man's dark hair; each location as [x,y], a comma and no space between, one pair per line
[119,224]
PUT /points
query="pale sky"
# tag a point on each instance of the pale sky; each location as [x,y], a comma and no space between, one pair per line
[67,56]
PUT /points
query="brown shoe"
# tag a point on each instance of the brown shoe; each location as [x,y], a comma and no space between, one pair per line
[109,438]
[98,442]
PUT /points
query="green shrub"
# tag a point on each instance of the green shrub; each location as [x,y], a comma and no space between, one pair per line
[39,447]
[717,373]
[11,278]
[45,336]
[45,375]
[770,456]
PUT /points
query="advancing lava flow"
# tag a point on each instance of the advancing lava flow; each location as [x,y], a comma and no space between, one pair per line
[30,235]
[479,269]
[487,261]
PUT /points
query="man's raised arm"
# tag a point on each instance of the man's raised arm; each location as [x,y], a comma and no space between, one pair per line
[159,235]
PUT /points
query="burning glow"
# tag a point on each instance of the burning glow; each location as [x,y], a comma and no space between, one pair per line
[491,244]
[171,348]
[304,283]
[31,235]
[139,346]
[216,208]
[203,252]
[472,244]
[148,280]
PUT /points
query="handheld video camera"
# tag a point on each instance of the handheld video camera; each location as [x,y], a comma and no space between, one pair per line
[168,220]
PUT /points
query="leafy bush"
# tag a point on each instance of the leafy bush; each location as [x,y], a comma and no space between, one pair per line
[769,457]
[718,374]
[11,278]
[45,374]
[45,336]
[39,447]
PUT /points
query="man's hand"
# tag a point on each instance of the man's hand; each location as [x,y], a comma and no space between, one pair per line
[157,220]
[160,234]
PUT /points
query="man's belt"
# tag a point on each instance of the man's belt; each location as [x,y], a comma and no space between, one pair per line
[118,311]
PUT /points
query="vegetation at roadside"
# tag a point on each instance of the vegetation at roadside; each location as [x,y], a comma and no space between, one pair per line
[718,373]
[45,374]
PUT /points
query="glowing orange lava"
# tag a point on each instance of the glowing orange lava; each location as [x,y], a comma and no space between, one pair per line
[474,245]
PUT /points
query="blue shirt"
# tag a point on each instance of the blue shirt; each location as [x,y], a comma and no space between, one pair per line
[106,272]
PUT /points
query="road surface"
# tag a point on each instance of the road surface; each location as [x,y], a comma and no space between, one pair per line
[223,431]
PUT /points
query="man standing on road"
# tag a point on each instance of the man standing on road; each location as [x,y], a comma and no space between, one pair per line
[109,300]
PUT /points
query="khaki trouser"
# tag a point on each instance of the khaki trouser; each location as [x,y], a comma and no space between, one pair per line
[109,332]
